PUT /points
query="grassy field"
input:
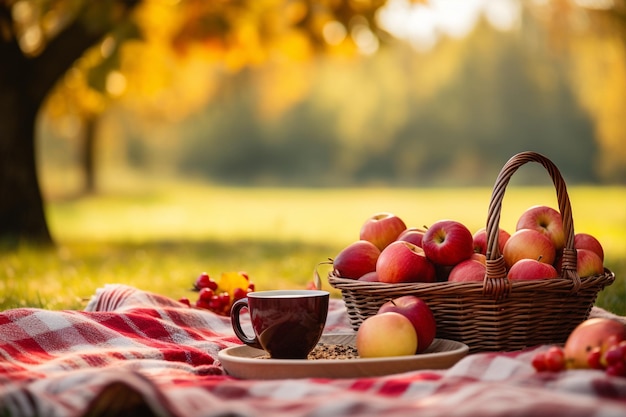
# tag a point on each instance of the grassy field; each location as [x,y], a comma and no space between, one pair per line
[160,238]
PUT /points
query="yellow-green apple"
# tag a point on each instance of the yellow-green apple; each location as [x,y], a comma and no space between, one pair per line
[480,240]
[381,229]
[448,242]
[528,244]
[386,334]
[546,220]
[419,314]
[588,263]
[527,269]
[587,241]
[469,270]
[595,333]
[413,235]
[403,261]
[369,277]
[356,259]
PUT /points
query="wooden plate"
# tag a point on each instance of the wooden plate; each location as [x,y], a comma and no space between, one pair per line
[248,363]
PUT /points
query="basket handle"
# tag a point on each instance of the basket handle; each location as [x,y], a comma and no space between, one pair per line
[496,283]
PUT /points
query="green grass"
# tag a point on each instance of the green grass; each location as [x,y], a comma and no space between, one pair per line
[160,238]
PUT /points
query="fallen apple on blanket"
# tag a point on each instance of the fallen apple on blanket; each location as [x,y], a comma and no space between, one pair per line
[596,343]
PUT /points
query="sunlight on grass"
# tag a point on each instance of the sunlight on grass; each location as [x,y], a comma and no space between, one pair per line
[161,238]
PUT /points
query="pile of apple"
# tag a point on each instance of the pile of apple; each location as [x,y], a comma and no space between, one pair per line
[387,251]
[597,343]
[219,295]
[402,326]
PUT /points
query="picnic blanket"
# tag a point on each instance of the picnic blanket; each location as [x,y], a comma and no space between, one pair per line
[132,353]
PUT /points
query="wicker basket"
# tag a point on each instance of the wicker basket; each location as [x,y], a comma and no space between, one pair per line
[496,314]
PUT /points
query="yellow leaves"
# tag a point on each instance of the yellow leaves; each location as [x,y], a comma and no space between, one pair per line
[230,281]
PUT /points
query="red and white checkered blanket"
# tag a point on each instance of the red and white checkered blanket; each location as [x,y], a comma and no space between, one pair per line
[135,353]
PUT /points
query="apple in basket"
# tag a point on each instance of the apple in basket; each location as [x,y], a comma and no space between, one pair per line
[404,262]
[528,244]
[386,334]
[546,220]
[588,263]
[381,229]
[587,241]
[480,240]
[419,314]
[592,337]
[448,242]
[356,259]
[529,269]
[413,235]
[469,270]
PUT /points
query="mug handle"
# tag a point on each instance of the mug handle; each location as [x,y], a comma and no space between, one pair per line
[235,319]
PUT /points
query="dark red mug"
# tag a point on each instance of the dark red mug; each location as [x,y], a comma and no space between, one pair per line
[287,324]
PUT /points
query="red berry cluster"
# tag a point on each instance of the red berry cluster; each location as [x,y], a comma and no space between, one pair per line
[218,296]
[612,359]
[552,360]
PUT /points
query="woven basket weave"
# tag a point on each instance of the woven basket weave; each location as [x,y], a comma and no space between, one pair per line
[496,314]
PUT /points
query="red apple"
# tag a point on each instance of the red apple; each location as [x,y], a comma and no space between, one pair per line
[356,259]
[404,262]
[386,334]
[527,269]
[369,277]
[587,241]
[381,229]
[419,314]
[588,263]
[546,220]
[469,270]
[528,244]
[448,242]
[479,257]
[480,240]
[589,335]
[413,235]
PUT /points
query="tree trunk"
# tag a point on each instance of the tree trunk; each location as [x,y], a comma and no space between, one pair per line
[24,84]
[22,215]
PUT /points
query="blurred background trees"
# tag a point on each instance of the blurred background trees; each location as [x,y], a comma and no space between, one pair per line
[316,93]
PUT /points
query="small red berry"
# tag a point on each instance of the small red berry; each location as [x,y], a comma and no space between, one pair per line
[616,369]
[555,359]
[205,294]
[185,301]
[593,358]
[539,362]
[251,286]
[239,293]
[204,281]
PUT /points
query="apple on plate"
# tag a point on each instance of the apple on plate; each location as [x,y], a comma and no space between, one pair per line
[546,220]
[469,270]
[528,244]
[529,269]
[381,229]
[587,241]
[588,263]
[480,240]
[386,334]
[448,242]
[404,262]
[356,259]
[414,235]
[595,333]
[419,314]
